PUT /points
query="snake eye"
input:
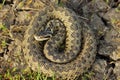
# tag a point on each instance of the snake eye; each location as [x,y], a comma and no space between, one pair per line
[49,30]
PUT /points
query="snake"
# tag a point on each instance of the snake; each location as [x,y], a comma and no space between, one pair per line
[58,43]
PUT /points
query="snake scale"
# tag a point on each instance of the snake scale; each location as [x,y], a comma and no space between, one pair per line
[70,49]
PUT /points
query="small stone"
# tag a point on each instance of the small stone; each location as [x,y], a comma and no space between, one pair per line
[97,25]
[117,70]
[99,68]
[95,6]
[106,49]
[116,54]
[113,18]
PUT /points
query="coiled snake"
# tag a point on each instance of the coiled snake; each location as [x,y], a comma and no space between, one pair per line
[57,42]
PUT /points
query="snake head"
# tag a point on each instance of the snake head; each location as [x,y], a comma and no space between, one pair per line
[44,34]
[42,37]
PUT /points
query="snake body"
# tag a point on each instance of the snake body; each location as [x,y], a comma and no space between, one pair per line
[52,45]
[79,44]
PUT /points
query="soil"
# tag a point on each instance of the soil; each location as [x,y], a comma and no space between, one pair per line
[103,16]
